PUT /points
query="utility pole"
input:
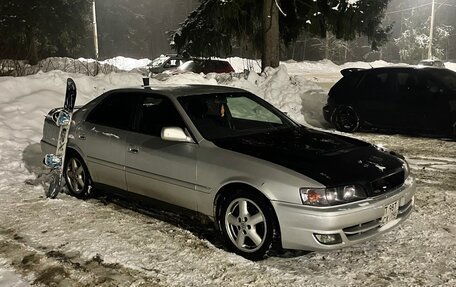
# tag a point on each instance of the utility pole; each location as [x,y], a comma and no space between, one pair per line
[431,32]
[95,33]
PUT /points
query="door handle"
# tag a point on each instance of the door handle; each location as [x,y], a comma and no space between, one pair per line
[133,149]
[82,137]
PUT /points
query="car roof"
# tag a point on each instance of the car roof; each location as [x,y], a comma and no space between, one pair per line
[209,60]
[430,61]
[386,69]
[182,90]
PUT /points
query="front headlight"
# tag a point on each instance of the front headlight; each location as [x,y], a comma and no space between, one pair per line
[332,196]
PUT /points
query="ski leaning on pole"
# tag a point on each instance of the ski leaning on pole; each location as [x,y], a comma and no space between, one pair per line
[56,161]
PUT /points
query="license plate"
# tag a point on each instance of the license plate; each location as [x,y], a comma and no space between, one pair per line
[391,211]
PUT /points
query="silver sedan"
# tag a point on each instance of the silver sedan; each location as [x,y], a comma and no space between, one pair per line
[266,181]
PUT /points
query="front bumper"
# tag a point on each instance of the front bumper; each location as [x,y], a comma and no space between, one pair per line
[354,222]
[47,148]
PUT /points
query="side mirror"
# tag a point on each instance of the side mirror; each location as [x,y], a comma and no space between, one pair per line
[175,134]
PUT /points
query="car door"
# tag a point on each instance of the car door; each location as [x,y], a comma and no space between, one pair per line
[435,101]
[163,170]
[376,99]
[102,137]
[410,103]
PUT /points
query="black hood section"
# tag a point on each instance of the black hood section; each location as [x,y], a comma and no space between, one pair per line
[330,159]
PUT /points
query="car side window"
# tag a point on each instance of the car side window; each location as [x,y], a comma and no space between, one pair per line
[406,84]
[156,112]
[377,86]
[114,111]
[431,86]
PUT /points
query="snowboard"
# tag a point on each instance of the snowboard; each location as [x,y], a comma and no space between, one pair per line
[56,161]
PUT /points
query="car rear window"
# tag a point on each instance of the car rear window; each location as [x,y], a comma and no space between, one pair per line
[115,111]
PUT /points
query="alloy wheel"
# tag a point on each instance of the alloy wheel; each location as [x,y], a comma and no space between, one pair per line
[75,175]
[346,119]
[245,225]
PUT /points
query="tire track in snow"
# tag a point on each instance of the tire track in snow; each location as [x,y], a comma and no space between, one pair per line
[54,268]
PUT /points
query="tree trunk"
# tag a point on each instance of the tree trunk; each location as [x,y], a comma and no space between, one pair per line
[33,51]
[327,46]
[271,45]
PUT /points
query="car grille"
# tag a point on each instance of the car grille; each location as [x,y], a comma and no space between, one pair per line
[387,183]
[365,229]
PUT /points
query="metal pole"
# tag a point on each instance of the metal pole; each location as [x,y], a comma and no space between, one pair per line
[431,32]
[95,33]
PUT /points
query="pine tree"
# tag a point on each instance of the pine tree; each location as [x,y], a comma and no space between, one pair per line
[218,25]
[33,29]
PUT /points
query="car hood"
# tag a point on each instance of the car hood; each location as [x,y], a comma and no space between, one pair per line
[330,159]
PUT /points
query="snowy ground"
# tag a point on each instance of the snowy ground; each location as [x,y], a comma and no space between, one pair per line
[110,242]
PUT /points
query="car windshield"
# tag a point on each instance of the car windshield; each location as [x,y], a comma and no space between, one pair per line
[187,66]
[158,62]
[218,116]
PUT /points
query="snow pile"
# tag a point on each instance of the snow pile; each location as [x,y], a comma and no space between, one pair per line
[25,100]
[451,66]
[81,66]
[312,67]
[92,67]
[241,64]
[125,63]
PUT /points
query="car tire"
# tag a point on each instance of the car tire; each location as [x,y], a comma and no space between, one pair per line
[248,224]
[77,176]
[346,119]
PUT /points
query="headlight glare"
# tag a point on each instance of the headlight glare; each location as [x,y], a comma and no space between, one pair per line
[349,192]
[313,196]
[332,196]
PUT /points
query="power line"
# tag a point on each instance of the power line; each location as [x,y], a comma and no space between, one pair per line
[420,6]
[443,4]
[408,9]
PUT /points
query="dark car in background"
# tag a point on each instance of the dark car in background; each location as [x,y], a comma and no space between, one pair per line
[409,99]
[431,63]
[206,66]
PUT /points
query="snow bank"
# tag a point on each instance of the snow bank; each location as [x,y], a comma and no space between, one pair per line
[126,64]
[451,66]
[312,67]
[120,63]
[25,100]
[241,64]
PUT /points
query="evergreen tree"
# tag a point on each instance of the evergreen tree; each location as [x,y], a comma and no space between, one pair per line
[33,29]
[138,28]
[217,25]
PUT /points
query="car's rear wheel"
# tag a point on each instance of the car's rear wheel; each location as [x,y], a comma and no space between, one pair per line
[77,176]
[247,224]
[346,119]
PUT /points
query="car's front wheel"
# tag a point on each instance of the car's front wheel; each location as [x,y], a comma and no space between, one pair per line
[77,176]
[247,224]
[346,119]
